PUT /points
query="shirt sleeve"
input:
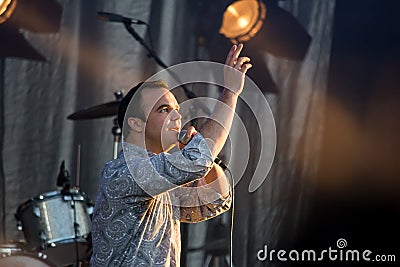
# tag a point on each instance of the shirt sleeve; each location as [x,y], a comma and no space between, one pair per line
[198,201]
[163,172]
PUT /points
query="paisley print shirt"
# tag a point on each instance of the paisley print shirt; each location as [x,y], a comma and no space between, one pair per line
[142,199]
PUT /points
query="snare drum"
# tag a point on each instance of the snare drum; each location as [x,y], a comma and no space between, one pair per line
[57,225]
[12,256]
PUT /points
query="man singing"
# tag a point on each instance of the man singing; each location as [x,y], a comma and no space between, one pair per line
[146,192]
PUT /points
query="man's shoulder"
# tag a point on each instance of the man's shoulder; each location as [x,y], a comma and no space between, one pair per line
[123,165]
[114,168]
[116,163]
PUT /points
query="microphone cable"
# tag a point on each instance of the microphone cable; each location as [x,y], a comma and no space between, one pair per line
[232,216]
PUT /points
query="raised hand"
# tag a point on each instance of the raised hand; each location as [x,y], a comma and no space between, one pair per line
[235,69]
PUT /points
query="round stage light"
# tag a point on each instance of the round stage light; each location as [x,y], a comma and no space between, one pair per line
[6,9]
[242,20]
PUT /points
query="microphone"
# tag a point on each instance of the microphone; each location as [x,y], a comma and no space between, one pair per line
[117,18]
[184,139]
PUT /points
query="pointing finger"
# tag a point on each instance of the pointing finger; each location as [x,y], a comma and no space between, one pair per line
[229,57]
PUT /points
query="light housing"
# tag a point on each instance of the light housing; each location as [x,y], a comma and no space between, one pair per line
[242,20]
[7,8]
[39,16]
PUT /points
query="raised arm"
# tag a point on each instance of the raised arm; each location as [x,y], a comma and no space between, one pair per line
[217,127]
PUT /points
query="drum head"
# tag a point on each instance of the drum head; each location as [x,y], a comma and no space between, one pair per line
[23,261]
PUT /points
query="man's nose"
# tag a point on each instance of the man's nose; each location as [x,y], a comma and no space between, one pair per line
[176,115]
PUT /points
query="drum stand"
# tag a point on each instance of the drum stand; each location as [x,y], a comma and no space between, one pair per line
[64,182]
[116,130]
[217,245]
[117,133]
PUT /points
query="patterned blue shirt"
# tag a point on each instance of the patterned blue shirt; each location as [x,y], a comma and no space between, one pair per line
[142,199]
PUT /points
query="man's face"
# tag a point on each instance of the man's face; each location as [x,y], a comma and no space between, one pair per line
[163,119]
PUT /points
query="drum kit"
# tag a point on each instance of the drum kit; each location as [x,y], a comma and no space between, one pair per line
[57,225]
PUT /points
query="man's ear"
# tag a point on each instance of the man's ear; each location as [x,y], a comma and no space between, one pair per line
[136,124]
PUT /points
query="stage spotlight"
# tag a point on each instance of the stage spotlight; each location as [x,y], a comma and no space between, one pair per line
[242,20]
[265,26]
[41,16]
[6,9]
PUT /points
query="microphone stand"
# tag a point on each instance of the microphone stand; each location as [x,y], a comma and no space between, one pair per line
[152,54]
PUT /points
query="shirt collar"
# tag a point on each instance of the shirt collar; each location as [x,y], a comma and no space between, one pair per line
[135,149]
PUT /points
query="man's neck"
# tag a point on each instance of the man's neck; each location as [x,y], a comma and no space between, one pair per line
[132,139]
[140,141]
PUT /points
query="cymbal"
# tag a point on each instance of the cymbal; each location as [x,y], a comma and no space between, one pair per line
[100,111]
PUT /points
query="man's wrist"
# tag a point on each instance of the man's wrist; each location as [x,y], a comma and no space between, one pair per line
[227,93]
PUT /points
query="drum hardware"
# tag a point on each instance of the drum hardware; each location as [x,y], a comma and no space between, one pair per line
[76,229]
[36,211]
[42,255]
[43,239]
[78,166]
[101,111]
[64,182]
[117,133]
[8,249]
[19,226]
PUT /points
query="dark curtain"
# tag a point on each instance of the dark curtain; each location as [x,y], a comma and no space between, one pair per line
[2,179]
[272,215]
[87,61]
